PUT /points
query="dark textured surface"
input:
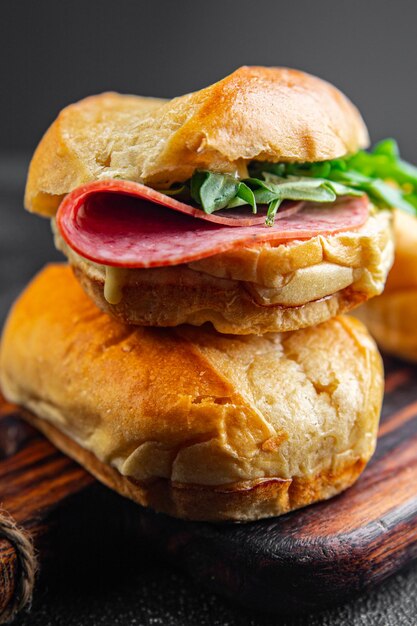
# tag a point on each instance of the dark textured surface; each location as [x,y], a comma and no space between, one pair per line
[120,582]
[154,595]
[53,53]
[125,585]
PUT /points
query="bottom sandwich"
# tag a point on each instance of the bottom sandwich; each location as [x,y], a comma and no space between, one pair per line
[192,423]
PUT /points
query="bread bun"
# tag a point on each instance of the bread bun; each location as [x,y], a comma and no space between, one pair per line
[252,290]
[268,114]
[392,317]
[193,423]
[79,144]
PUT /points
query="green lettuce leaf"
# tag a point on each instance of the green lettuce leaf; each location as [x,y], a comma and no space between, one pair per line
[213,191]
[388,181]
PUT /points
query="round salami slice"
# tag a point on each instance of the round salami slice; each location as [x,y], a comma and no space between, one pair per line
[240,216]
[108,223]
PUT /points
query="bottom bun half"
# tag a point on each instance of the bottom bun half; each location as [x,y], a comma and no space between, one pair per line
[189,422]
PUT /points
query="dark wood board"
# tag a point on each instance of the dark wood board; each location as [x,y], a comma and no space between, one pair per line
[35,478]
[298,562]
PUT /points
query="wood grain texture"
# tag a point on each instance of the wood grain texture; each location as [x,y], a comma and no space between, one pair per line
[34,479]
[303,560]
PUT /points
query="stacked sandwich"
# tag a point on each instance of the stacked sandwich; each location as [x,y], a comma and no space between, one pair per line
[193,354]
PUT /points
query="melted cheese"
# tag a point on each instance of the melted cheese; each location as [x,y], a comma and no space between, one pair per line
[114,283]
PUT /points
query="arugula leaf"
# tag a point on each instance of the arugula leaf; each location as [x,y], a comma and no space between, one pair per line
[383,194]
[388,180]
[388,147]
[303,187]
[381,173]
[213,191]
[298,188]
[275,189]
[272,211]
[246,194]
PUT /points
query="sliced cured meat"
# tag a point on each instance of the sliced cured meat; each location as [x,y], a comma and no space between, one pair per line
[108,223]
[240,216]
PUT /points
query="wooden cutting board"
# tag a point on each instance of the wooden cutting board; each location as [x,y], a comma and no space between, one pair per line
[300,561]
[35,478]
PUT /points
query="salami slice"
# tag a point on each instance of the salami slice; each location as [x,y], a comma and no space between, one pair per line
[240,216]
[113,223]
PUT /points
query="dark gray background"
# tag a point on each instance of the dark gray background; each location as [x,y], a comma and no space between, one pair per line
[53,52]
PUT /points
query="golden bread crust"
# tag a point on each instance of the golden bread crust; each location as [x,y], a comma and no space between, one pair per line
[228,305]
[193,414]
[240,502]
[269,114]
[391,317]
[78,144]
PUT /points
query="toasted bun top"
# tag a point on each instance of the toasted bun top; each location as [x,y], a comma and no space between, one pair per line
[187,404]
[267,114]
[79,144]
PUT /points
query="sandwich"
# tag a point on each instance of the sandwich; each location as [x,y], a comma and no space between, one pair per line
[245,204]
[392,317]
[192,354]
[191,422]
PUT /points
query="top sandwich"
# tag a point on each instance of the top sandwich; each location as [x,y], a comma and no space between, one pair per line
[242,204]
